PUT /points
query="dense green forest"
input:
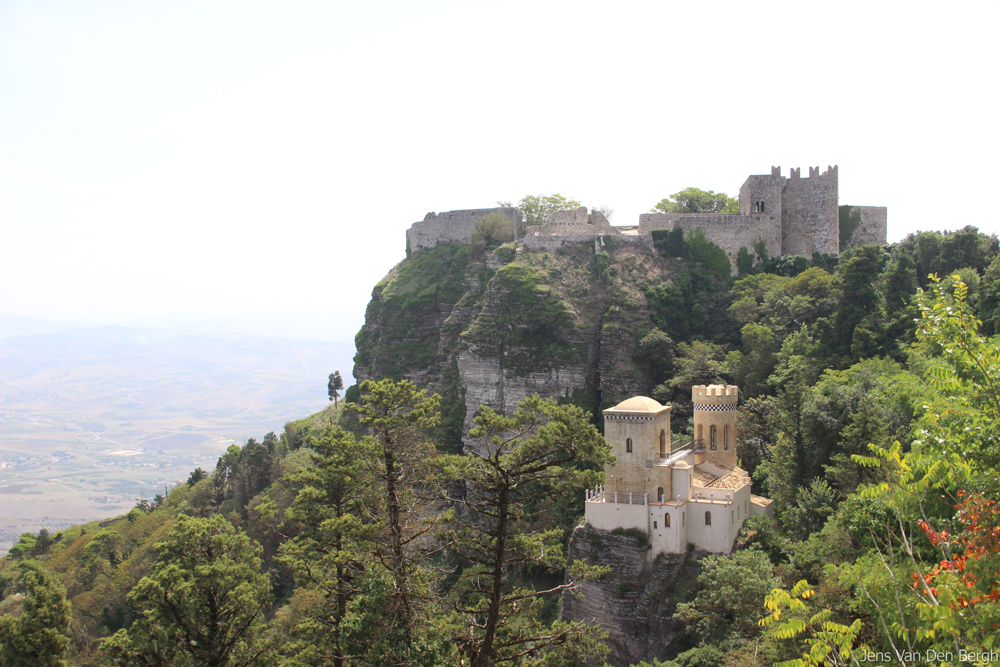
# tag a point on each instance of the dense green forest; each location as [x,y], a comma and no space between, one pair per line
[363,536]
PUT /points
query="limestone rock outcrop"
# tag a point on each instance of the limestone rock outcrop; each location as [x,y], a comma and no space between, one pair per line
[636,600]
[564,322]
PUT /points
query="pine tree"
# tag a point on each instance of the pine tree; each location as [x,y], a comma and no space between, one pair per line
[37,637]
[329,555]
[540,451]
[401,464]
[334,386]
[204,601]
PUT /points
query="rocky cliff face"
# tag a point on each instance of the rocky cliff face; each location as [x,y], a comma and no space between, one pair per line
[634,603]
[566,322]
[563,323]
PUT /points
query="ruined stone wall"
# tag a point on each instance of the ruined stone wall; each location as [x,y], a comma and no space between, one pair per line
[873,227]
[451,226]
[575,222]
[810,221]
[578,221]
[555,242]
[730,232]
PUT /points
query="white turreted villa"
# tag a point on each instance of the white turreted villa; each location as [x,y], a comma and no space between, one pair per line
[691,493]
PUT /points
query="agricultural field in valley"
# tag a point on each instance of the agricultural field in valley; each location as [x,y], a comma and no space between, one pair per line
[91,420]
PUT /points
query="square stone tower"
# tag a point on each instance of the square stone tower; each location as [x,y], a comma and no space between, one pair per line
[810,219]
[638,431]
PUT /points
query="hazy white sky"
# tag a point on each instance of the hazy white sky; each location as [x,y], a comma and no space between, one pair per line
[242,157]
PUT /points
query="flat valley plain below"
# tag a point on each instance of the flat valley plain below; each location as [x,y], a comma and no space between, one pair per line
[94,419]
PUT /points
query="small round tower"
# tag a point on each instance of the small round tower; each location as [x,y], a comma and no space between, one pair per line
[715,423]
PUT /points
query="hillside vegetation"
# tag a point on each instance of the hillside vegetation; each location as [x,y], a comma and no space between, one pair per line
[870,415]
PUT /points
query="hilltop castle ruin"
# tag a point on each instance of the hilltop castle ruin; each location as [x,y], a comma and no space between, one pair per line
[791,215]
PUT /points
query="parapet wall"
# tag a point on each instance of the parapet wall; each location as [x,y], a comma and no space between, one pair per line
[451,226]
[728,231]
[873,227]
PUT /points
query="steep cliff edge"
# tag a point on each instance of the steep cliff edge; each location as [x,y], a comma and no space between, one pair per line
[563,322]
[636,600]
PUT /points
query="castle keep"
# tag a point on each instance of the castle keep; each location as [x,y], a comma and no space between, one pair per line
[688,493]
[792,215]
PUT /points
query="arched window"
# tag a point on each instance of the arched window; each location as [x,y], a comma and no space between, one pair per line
[663,441]
[711,436]
[725,437]
[701,437]
[628,445]
[666,521]
[659,495]
[708,518]
[762,207]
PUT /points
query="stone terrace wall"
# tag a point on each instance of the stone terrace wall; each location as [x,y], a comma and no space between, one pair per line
[873,227]
[730,232]
[555,242]
[451,226]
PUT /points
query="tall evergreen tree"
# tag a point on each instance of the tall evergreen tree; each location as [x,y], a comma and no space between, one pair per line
[334,385]
[37,637]
[204,601]
[543,449]
[401,463]
[330,553]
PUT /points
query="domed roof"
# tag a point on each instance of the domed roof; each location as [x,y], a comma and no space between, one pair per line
[638,404]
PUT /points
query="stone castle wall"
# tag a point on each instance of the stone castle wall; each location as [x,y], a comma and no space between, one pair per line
[577,221]
[451,226]
[873,227]
[642,241]
[792,216]
[550,243]
[728,231]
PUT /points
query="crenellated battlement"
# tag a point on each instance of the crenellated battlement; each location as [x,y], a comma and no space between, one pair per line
[715,394]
